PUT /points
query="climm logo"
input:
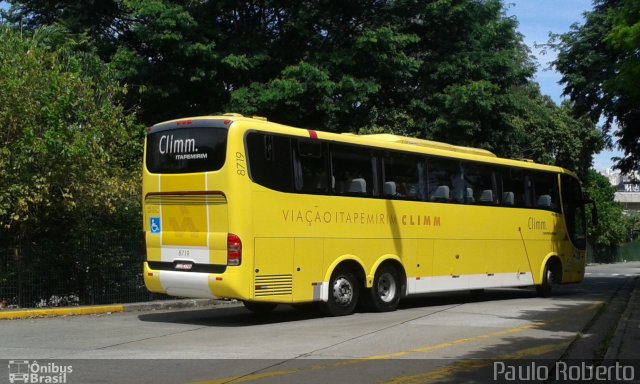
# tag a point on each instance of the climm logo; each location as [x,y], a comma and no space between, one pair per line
[535,224]
[169,145]
[184,149]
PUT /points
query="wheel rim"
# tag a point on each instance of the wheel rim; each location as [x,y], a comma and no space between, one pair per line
[342,291]
[549,278]
[386,287]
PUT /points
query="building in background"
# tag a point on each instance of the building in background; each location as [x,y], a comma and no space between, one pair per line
[627,189]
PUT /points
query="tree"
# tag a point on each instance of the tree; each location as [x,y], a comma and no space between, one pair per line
[554,136]
[611,229]
[69,154]
[601,69]
[455,70]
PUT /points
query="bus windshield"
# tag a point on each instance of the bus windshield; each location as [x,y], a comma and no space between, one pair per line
[573,202]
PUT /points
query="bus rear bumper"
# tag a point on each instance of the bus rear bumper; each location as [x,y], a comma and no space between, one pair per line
[177,283]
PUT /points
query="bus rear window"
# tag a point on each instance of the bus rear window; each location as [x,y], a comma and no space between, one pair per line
[186,150]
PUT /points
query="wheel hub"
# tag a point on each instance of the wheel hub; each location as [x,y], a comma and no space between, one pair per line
[386,287]
[342,291]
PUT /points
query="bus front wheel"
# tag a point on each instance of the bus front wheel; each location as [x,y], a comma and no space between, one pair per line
[343,293]
[384,295]
[548,277]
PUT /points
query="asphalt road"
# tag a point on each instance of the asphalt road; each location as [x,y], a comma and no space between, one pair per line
[443,338]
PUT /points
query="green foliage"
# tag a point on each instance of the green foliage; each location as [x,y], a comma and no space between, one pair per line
[69,154]
[624,40]
[553,136]
[632,223]
[601,70]
[611,229]
[449,70]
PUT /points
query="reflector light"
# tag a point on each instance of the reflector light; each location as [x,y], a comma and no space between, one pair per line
[234,250]
[313,134]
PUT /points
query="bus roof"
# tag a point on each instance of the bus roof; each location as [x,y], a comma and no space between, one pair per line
[387,137]
[381,140]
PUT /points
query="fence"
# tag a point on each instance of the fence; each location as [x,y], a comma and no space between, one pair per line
[102,269]
[618,254]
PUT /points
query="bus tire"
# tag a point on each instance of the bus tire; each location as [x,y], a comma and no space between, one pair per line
[544,289]
[260,308]
[384,295]
[344,290]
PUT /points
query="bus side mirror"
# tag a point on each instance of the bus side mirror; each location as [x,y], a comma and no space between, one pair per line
[594,211]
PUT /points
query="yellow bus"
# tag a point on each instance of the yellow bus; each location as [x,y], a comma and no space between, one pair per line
[242,208]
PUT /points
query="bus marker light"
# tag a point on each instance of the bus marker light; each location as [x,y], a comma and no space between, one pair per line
[313,134]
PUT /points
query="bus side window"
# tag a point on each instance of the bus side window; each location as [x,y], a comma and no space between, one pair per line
[481,184]
[546,191]
[353,170]
[402,178]
[310,167]
[516,188]
[269,161]
[440,175]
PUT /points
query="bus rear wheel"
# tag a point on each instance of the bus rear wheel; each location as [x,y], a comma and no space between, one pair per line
[259,308]
[343,293]
[384,295]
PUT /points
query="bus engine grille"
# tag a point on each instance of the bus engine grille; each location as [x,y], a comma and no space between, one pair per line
[273,285]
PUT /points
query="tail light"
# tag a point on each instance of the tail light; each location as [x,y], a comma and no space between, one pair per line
[234,250]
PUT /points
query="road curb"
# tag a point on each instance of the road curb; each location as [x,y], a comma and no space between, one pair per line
[175,304]
[613,349]
[53,312]
[107,309]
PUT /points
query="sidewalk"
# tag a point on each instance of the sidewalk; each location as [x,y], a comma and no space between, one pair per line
[107,309]
[625,343]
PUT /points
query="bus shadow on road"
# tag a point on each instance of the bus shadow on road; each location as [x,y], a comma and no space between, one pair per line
[476,296]
[238,316]
[233,316]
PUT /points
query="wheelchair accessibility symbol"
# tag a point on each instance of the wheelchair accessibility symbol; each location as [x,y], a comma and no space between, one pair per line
[155,225]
